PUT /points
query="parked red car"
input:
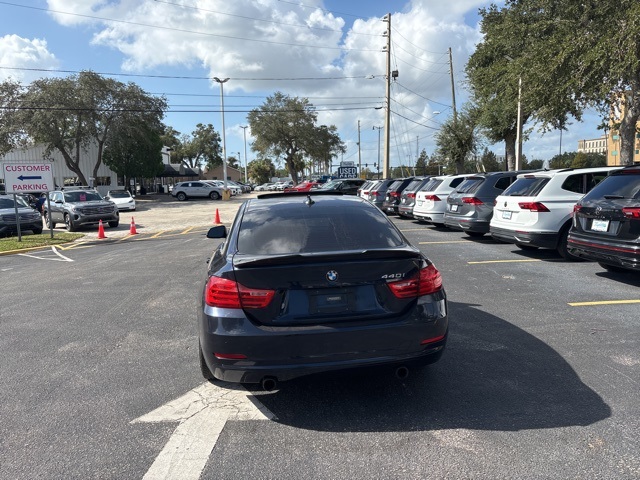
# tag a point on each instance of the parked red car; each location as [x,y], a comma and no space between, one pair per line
[303,186]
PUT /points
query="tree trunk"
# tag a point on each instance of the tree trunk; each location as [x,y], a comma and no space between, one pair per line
[510,150]
[98,160]
[628,126]
[73,166]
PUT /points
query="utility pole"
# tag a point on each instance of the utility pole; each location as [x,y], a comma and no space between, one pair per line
[453,88]
[224,142]
[387,116]
[378,164]
[359,153]
[244,132]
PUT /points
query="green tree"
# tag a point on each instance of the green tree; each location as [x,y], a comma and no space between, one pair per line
[570,55]
[285,127]
[457,139]
[134,150]
[69,114]
[535,164]
[490,162]
[421,163]
[563,160]
[200,148]
[261,170]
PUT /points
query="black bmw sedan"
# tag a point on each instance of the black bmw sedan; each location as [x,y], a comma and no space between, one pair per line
[313,282]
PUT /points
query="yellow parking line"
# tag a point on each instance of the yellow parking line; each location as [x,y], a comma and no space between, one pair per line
[187,230]
[436,243]
[604,302]
[158,234]
[504,261]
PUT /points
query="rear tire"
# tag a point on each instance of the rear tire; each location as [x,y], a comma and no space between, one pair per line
[114,224]
[214,196]
[475,234]
[562,246]
[204,368]
[37,231]
[613,268]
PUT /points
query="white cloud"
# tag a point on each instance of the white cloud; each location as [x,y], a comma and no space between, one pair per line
[24,53]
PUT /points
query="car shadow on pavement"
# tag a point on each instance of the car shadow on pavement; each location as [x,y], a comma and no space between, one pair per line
[493,376]
[630,278]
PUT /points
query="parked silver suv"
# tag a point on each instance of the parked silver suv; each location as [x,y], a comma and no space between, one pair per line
[77,207]
[198,188]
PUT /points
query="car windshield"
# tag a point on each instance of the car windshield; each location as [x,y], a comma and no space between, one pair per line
[7,202]
[528,186]
[72,197]
[324,227]
[119,194]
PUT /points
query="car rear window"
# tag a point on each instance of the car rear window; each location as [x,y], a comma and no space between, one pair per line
[431,185]
[470,185]
[623,186]
[413,186]
[325,226]
[526,187]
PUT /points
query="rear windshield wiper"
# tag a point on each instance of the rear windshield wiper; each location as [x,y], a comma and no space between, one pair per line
[614,197]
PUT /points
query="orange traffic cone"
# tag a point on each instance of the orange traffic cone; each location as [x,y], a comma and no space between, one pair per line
[132,230]
[101,230]
[217,221]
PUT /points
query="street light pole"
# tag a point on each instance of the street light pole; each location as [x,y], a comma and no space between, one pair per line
[244,133]
[519,126]
[378,168]
[224,142]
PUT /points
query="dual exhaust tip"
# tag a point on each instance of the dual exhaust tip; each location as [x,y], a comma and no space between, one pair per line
[269,384]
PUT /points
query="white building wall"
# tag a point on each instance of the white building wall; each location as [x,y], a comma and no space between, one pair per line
[88,159]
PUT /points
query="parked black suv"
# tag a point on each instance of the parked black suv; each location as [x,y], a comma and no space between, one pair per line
[392,199]
[606,222]
[79,207]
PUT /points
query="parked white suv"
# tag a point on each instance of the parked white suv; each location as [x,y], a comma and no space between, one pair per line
[199,188]
[431,201]
[536,210]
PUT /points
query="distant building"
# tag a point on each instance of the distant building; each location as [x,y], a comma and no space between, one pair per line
[594,145]
[217,173]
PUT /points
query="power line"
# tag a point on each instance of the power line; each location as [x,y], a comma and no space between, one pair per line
[177,77]
[306,27]
[193,32]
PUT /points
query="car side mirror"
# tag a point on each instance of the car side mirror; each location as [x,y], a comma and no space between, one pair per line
[107,198]
[219,231]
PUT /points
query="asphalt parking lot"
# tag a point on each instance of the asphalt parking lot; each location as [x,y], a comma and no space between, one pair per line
[100,376]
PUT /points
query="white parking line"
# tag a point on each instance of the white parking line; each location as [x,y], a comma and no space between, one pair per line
[61,259]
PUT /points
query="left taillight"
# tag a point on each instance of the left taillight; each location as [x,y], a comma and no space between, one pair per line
[472,201]
[224,293]
[426,282]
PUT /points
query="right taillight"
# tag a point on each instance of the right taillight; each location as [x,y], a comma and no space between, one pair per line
[472,201]
[433,198]
[631,212]
[224,293]
[427,281]
[533,206]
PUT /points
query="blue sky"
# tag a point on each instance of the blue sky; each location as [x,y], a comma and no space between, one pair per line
[326,51]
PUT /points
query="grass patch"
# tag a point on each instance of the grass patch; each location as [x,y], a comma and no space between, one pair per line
[30,241]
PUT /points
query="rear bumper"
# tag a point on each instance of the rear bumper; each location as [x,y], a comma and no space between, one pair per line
[466,224]
[285,353]
[405,211]
[433,217]
[542,240]
[610,253]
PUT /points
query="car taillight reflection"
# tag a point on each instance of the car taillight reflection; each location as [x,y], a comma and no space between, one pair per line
[224,293]
[428,281]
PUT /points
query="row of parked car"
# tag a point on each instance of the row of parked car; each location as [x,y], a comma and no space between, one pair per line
[588,213]
[212,189]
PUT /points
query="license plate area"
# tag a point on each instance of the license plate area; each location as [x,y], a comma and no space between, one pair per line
[454,208]
[331,301]
[506,215]
[600,225]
